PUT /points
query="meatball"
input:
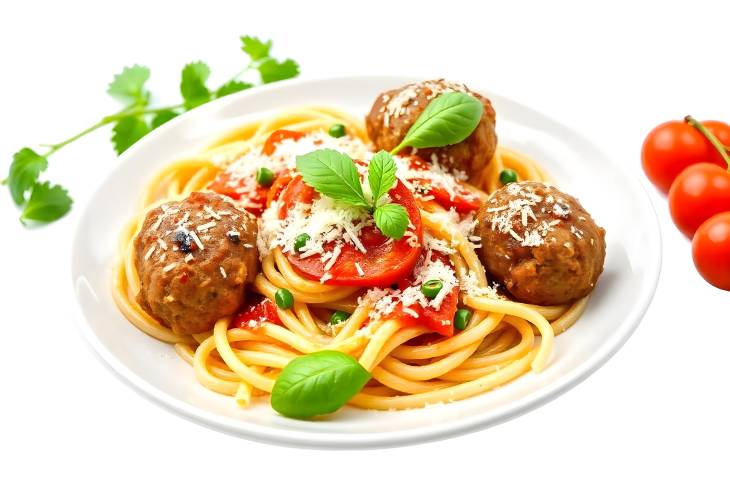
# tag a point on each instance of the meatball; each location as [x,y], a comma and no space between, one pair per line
[394,112]
[194,258]
[540,243]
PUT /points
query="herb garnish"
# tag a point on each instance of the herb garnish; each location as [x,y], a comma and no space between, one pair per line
[317,383]
[334,174]
[42,202]
[448,119]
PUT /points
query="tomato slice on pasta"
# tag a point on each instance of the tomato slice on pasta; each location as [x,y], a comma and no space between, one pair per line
[461,199]
[385,262]
[256,313]
[440,321]
[256,199]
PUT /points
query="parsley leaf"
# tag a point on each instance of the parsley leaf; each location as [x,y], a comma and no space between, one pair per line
[272,70]
[255,48]
[27,165]
[47,203]
[333,174]
[127,131]
[392,220]
[381,175]
[231,88]
[129,84]
[163,117]
[192,84]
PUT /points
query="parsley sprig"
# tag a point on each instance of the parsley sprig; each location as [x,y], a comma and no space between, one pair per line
[43,202]
[335,175]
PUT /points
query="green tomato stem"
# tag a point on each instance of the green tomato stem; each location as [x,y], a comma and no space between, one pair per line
[709,136]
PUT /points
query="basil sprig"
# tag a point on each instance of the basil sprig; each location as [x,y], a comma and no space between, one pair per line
[334,174]
[317,383]
[448,119]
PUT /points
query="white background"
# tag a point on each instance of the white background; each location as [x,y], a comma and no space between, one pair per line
[654,421]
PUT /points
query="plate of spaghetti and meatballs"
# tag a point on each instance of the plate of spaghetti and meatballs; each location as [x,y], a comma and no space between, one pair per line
[362,261]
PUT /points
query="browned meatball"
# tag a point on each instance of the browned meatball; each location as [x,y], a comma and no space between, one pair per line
[394,112]
[194,258]
[540,243]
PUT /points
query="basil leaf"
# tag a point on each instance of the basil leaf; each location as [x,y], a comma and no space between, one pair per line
[47,203]
[392,220]
[381,175]
[27,165]
[448,119]
[317,383]
[333,174]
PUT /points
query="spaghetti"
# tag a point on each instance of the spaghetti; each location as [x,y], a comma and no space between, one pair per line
[502,340]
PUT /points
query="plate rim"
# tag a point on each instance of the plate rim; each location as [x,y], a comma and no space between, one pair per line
[344,440]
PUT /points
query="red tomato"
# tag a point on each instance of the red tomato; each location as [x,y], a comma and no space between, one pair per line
[711,250]
[700,191]
[440,321]
[263,310]
[463,200]
[673,146]
[386,260]
[257,200]
[720,130]
[279,136]
[277,188]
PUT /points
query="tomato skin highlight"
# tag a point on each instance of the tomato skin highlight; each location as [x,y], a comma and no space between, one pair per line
[262,311]
[385,262]
[711,250]
[699,192]
[670,148]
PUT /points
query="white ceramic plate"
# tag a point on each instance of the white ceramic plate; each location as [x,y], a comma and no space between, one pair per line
[616,200]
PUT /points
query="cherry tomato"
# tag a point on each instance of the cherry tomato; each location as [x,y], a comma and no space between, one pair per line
[386,260]
[700,191]
[282,180]
[462,200]
[260,311]
[673,146]
[440,321]
[711,250]
[720,130]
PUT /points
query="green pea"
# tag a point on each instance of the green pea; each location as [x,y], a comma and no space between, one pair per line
[300,241]
[337,130]
[264,177]
[431,289]
[284,299]
[507,176]
[462,318]
[339,316]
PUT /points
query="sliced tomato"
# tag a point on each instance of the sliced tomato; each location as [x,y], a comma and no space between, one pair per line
[279,136]
[440,321]
[385,262]
[277,187]
[257,200]
[462,199]
[263,310]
